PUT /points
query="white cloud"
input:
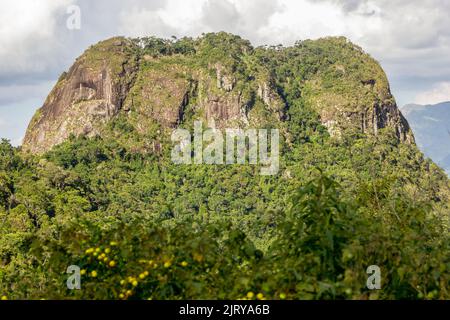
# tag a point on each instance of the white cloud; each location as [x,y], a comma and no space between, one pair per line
[304,19]
[194,17]
[440,93]
[27,33]
[176,17]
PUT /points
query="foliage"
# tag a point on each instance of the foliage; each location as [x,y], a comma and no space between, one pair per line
[165,231]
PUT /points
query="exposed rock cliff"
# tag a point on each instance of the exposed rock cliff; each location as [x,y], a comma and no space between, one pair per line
[87,96]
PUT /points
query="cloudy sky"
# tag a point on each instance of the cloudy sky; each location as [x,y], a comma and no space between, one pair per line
[411,38]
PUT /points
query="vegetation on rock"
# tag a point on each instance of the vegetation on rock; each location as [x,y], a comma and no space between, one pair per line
[353,190]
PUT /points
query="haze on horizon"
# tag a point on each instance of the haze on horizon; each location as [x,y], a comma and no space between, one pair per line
[411,39]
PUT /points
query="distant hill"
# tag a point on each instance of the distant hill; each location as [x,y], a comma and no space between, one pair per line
[431,127]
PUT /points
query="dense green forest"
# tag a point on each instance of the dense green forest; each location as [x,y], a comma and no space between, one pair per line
[141,227]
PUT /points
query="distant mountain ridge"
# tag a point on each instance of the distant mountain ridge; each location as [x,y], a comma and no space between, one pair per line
[431,127]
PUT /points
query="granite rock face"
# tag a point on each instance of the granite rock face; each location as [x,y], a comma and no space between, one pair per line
[87,96]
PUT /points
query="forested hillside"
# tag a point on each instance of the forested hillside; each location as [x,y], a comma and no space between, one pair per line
[94,184]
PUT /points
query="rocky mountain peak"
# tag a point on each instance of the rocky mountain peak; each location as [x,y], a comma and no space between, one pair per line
[219,78]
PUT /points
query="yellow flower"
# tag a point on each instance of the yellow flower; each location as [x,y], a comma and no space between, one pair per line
[95,254]
[198,257]
[113,243]
[184,264]
[250,295]
[155,265]
[106,259]
[107,250]
[4,298]
[83,272]
[260,296]
[142,276]
[146,273]
[94,274]
[89,251]
[121,296]
[112,263]
[97,249]
[282,296]
[122,282]
[129,293]
[167,264]
[134,283]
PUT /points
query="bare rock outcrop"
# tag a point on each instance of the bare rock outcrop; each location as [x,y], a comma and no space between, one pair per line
[84,98]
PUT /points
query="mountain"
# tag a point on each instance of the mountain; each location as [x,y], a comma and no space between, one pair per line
[431,127]
[223,85]
[95,184]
